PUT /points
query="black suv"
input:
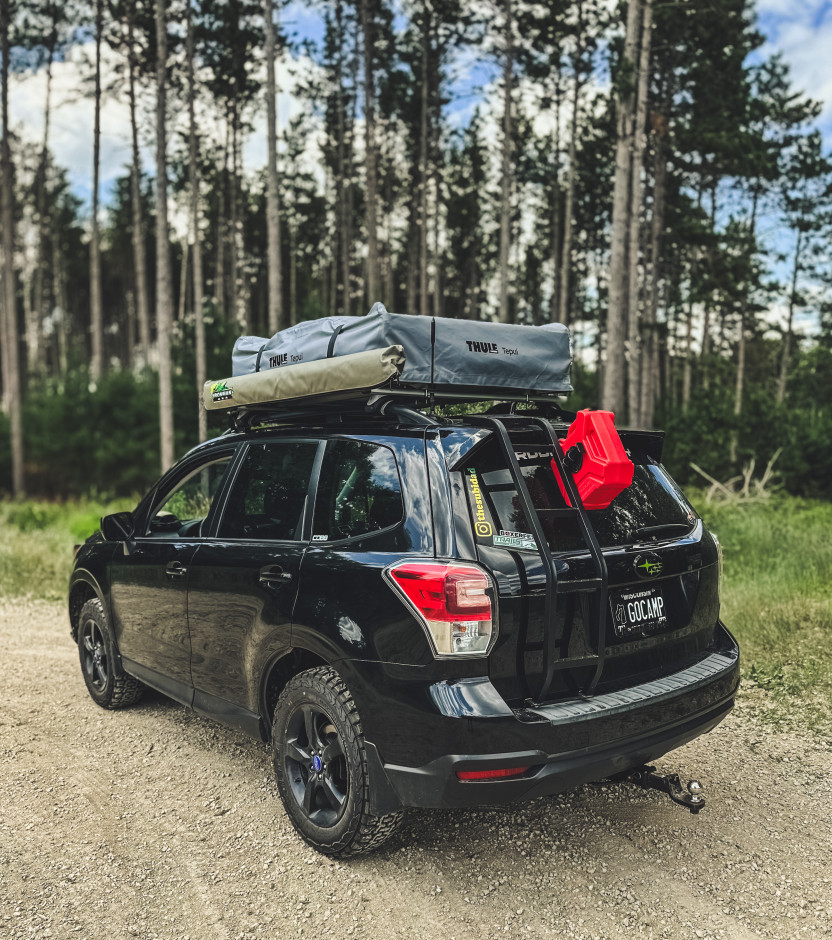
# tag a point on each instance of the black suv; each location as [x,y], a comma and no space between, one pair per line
[412,610]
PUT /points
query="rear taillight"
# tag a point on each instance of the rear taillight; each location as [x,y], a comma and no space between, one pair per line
[454,603]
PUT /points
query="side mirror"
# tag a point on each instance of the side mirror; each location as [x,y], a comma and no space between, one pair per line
[118,527]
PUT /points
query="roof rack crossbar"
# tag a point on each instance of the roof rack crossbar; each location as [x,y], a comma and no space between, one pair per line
[244,417]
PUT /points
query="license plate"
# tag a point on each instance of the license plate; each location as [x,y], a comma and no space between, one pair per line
[638,611]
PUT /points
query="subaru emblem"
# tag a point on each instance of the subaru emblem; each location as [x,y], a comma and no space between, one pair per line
[648,565]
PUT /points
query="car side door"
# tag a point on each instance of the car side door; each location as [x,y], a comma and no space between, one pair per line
[149,576]
[244,577]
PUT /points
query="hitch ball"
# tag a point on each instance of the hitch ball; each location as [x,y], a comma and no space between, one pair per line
[695,790]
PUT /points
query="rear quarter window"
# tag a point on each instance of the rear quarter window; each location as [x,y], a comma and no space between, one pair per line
[359,491]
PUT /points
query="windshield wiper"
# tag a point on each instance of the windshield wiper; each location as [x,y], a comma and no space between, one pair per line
[662,531]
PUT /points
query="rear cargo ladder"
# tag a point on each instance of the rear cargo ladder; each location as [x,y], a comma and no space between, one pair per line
[596,587]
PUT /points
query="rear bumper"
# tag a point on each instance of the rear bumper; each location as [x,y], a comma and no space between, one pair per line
[564,744]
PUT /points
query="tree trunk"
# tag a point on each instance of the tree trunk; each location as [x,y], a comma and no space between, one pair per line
[612,397]
[11,350]
[195,231]
[687,374]
[183,278]
[96,317]
[635,366]
[293,271]
[568,212]
[139,254]
[352,118]
[787,339]
[506,178]
[341,178]
[164,299]
[650,376]
[40,307]
[59,281]
[222,226]
[438,299]
[555,312]
[423,163]
[277,315]
[237,301]
[411,306]
[741,347]
[373,278]
[706,319]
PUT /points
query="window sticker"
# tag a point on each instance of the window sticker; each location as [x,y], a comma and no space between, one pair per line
[482,527]
[515,540]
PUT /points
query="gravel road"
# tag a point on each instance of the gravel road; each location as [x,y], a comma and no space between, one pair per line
[154,823]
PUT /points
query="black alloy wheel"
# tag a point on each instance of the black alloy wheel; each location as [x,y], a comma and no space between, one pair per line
[108,684]
[94,659]
[320,762]
[316,766]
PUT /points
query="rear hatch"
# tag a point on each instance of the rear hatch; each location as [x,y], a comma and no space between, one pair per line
[662,600]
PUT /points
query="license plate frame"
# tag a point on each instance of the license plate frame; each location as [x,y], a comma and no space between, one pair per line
[639,610]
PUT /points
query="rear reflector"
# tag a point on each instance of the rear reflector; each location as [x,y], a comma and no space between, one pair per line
[491,774]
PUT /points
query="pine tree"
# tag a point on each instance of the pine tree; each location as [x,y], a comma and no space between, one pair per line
[11,352]
[164,295]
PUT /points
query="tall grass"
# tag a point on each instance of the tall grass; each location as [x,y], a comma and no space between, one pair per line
[777,600]
[776,592]
[36,544]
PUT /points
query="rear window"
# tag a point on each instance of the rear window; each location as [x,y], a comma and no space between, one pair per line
[653,499]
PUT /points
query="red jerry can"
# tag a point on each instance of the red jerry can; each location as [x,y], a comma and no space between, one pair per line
[594,455]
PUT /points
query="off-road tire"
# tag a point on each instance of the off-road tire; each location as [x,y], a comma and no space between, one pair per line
[353,830]
[108,684]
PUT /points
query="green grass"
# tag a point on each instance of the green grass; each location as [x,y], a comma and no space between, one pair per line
[777,600]
[776,592]
[36,541]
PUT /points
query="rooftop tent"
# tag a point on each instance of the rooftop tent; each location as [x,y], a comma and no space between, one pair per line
[441,354]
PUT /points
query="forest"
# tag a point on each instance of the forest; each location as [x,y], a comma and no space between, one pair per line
[645,173]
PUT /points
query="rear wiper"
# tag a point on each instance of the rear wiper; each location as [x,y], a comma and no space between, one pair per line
[662,531]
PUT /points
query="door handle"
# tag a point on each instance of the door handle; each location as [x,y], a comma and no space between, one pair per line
[176,570]
[274,576]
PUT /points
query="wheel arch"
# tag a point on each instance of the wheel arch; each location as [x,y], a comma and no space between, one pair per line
[83,587]
[298,659]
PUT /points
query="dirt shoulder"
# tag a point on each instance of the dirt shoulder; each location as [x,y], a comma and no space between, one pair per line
[154,823]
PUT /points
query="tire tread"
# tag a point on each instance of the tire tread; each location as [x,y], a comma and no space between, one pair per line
[371,831]
[126,689]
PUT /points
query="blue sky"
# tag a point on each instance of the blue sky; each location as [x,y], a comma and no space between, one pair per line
[800,29]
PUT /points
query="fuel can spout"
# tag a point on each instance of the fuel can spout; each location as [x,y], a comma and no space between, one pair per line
[690,796]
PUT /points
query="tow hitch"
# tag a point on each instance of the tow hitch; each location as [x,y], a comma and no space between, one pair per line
[646,777]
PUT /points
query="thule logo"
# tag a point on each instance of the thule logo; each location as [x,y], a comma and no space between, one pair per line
[474,346]
[280,360]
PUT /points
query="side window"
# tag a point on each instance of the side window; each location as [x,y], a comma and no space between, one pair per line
[268,497]
[186,506]
[359,491]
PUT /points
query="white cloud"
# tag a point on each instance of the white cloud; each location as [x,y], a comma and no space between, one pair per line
[71,121]
[802,31]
